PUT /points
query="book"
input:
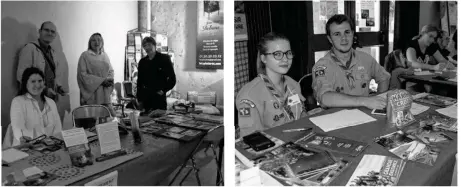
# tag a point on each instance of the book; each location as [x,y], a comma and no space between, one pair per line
[332,143]
[247,155]
[440,121]
[292,164]
[407,147]
[172,119]
[209,118]
[436,100]
[377,170]
[398,108]
[428,131]
[171,131]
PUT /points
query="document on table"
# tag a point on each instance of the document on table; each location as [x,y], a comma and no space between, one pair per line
[11,155]
[256,177]
[74,136]
[341,119]
[109,139]
[32,171]
[451,111]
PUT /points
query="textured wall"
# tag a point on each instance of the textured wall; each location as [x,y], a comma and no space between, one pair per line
[178,19]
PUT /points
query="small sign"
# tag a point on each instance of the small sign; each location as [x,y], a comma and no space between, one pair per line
[109,139]
[106,180]
[75,136]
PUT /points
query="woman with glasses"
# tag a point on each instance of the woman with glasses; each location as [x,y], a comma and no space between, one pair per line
[32,113]
[95,76]
[272,98]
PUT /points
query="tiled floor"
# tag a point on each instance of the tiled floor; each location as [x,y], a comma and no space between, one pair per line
[207,173]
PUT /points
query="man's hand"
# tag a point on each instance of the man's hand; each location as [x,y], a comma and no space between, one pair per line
[61,91]
[50,92]
[160,92]
[374,102]
[437,67]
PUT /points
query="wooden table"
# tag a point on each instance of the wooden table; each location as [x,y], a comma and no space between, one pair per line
[414,174]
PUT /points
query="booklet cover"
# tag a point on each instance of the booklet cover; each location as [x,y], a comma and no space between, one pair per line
[377,170]
[332,143]
[398,108]
[247,155]
[171,131]
[408,148]
[292,164]
[440,121]
[429,133]
[437,100]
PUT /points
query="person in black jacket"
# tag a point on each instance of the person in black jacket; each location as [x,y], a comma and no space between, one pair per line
[155,77]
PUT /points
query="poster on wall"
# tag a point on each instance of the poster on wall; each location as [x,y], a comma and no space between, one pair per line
[240,23]
[210,35]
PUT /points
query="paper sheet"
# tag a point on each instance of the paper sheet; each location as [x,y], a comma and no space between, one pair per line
[31,171]
[74,136]
[424,73]
[451,111]
[11,155]
[109,139]
[341,119]
[256,177]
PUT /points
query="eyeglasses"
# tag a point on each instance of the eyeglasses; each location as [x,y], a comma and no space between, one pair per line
[278,55]
[49,30]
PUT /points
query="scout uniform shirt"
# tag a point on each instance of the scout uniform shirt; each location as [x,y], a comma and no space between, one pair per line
[260,106]
[329,74]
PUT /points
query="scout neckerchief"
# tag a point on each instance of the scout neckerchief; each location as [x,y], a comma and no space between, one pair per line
[278,96]
[347,68]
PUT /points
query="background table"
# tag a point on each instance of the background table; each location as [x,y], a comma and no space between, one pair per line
[414,174]
[427,79]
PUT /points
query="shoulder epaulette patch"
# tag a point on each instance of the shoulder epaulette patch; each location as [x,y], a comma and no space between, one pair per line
[248,102]
[320,71]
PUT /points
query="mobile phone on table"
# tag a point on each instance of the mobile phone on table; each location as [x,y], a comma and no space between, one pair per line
[258,142]
[379,111]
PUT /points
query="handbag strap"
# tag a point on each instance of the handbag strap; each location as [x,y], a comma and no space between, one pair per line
[47,59]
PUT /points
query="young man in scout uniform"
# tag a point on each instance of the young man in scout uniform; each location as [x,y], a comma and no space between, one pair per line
[341,78]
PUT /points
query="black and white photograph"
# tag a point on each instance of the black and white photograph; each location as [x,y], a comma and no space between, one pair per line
[97,74]
[311,73]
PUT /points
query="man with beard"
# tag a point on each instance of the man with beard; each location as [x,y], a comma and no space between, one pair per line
[40,54]
[342,77]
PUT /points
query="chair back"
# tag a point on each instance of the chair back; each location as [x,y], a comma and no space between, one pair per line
[306,90]
[128,89]
[87,116]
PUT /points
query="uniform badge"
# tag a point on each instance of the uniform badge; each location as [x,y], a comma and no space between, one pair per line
[276,118]
[276,105]
[293,100]
[248,102]
[320,71]
[244,112]
[361,68]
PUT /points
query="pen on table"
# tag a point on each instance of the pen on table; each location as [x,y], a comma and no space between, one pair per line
[5,164]
[297,130]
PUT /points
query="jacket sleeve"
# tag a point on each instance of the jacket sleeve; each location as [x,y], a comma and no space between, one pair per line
[25,60]
[87,83]
[140,81]
[17,116]
[57,120]
[170,75]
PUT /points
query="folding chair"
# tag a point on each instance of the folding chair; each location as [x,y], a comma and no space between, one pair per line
[87,116]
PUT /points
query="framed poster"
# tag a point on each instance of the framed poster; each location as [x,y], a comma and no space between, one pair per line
[210,35]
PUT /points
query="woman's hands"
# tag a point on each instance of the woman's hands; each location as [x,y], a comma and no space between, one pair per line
[108,82]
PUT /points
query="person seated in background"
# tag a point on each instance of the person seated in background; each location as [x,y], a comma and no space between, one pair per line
[32,113]
[422,48]
[341,78]
[396,64]
[453,45]
[272,98]
[442,42]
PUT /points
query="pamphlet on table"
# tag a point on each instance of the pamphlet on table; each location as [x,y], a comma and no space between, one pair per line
[332,143]
[109,138]
[399,103]
[77,146]
[377,170]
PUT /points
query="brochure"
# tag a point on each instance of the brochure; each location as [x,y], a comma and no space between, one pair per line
[377,170]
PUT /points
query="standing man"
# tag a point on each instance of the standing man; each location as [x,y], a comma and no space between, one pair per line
[155,77]
[342,77]
[41,55]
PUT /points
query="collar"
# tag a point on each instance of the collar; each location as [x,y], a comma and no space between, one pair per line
[47,106]
[93,53]
[350,63]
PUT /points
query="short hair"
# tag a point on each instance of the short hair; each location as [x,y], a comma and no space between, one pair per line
[89,41]
[25,77]
[43,24]
[262,48]
[338,19]
[149,39]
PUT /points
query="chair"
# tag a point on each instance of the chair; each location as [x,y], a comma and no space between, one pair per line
[125,97]
[87,116]
[306,90]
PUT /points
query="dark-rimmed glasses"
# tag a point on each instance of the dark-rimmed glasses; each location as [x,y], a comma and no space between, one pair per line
[278,55]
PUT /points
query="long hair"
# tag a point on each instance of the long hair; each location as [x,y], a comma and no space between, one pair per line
[262,48]
[25,77]
[426,29]
[392,61]
[102,39]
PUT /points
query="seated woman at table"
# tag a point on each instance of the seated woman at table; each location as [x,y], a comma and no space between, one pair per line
[95,76]
[272,98]
[32,113]
[396,64]
[422,48]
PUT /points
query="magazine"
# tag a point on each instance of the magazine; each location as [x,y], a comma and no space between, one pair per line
[398,108]
[247,155]
[173,131]
[332,143]
[437,100]
[408,148]
[440,121]
[377,170]
[292,164]
[429,132]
